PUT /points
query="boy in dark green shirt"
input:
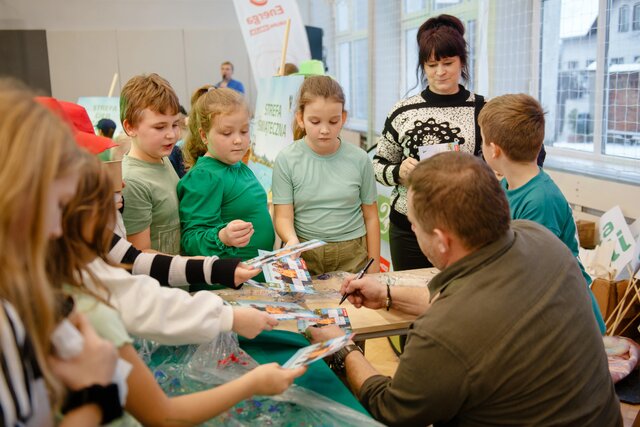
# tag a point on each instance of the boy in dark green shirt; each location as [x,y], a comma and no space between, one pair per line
[512,128]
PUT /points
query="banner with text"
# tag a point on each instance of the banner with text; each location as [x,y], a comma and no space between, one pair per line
[102,107]
[272,127]
[263,24]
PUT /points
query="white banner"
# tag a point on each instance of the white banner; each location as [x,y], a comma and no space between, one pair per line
[263,24]
[272,127]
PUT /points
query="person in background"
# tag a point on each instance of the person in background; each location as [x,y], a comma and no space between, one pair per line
[290,68]
[226,70]
[176,154]
[106,128]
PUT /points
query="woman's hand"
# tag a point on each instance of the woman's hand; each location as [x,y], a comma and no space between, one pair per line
[406,167]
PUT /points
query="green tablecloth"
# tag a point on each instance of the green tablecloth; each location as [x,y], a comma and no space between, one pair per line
[279,346]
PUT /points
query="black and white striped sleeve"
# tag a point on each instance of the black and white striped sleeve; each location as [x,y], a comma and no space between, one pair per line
[176,270]
[23,395]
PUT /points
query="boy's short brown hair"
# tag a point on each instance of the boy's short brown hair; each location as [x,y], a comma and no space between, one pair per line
[515,123]
[147,91]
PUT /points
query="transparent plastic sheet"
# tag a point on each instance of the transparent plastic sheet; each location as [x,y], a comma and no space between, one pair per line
[187,369]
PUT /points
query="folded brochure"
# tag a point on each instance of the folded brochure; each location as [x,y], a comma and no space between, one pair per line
[326,316]
[260,260]
[287,275]
[314,352]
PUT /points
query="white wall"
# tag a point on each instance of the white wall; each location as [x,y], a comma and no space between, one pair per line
[116,14]
[591,196]
[89,40]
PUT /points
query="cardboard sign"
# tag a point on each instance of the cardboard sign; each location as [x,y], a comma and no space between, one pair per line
[613,227]
[263,26]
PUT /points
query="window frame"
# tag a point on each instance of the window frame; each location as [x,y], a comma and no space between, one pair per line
[623,22]
[635,17]
[351,36]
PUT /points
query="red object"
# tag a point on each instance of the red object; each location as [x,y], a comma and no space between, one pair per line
[385,265]
[78,120]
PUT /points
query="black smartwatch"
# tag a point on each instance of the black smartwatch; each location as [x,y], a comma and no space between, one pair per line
[339,357]
[106,397]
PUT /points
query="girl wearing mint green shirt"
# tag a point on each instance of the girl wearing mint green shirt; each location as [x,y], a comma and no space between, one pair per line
[223,208]
[325,189]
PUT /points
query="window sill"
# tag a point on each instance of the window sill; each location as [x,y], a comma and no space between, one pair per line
[595,169]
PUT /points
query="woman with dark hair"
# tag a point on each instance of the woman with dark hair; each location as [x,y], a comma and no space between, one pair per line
[445,112]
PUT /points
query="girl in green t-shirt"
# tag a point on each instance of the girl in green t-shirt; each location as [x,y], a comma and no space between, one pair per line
[223,208]
[325,189]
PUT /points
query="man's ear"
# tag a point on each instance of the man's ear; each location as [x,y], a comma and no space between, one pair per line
[443,240]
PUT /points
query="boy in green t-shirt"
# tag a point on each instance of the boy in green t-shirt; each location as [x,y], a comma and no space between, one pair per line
[512,128]
[149,111]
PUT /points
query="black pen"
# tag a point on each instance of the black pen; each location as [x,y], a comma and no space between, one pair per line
[360,275]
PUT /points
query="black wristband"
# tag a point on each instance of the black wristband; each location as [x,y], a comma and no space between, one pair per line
[106,397]
[223,271]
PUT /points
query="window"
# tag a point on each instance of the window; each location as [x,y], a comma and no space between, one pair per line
[353,58]
[470,35]
[585,68]
[623,19]
[342,16]
[412,82]
[411,6]
[441,4]
[575,121]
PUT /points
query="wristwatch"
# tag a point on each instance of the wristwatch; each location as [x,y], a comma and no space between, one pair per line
[106,397]
[339,356]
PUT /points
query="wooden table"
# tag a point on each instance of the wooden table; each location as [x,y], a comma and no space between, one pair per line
[366,323]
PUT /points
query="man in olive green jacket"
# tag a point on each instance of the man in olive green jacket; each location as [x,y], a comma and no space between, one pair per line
[504,334]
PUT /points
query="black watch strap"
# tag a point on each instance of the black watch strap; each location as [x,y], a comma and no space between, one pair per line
[106,397]
[340,356]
